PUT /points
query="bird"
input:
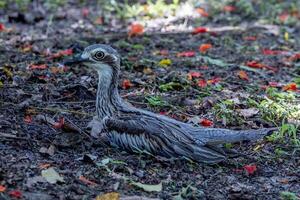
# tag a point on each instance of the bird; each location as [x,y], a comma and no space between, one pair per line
[132,129]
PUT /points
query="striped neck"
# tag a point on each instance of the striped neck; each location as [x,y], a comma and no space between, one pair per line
[108,99]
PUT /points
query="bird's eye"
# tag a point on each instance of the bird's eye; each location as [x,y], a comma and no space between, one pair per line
[99,55]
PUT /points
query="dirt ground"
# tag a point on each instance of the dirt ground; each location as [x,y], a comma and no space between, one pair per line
[35,85]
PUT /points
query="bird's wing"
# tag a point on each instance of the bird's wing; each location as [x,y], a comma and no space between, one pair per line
[158,136]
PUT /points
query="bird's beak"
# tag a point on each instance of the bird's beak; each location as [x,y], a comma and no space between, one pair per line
[76,60]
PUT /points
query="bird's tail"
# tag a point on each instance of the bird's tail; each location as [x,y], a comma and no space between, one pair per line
[211,152]
[214,136]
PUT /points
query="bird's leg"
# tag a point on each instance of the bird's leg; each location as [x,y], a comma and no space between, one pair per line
[96,126]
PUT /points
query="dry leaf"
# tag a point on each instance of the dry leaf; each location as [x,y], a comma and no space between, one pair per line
[109,196]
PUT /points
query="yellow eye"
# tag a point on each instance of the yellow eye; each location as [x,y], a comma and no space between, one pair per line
[99,55]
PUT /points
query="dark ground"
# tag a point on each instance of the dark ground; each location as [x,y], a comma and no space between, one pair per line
[29,146]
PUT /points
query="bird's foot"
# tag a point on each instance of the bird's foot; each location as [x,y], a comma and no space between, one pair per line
[95,127]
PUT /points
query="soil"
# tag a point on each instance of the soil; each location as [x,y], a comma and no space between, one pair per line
[29,145]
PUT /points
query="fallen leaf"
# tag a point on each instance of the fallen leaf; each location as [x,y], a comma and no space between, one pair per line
[135,29]
[273,84]
[86,181]
[229,8]
[85,12]
[202,83]
[148,187]
[273,52]
[126,84]
[42,66]
[16,194]
[165,62]
[249,112]
[60,123]
[250,38]
[202,12]
[205,67]
[109,196]
[294,57]
[137,198]
[62,53]
[164,52]
[186,54]
[26,48]
[192,75]
[51,175]
[28,119]
[286,36]
[255,64]
[214,80]
[290,87]
[250,169]
[200,30]
[206,122]
[243,75]
[2,27]
[204,47]
[283,16]
[44,166]
[99,21]
[2,188]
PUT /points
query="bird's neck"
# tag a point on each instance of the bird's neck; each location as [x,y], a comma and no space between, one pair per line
[108,99]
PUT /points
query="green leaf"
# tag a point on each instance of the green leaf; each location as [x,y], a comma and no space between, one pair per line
[170,86]
[147,187]
[52,176]
[214,61]
[288,196]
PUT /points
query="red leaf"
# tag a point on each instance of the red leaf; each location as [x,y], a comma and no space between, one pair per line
[99,21]
[202,83]
[250,169]
[163,113]
[42,66]
[135,29]
[250,38]
[2,27]
[126,84]
[283,16]
[294,57]
[202,12]
[59,54]
[204,47]
[186,54]
[60,123]
[2,188]
[200,30]
[164,52]
[28,119]
[273,84]
[243,75]
[229,8]
[206,122]
[195,74]
[254,64]
[16,194]
[214,80]
[290,87]
[86,181]
[273,52]
[205,67]
[85,12]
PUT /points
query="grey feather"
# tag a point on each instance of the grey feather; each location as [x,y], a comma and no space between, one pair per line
[134,129]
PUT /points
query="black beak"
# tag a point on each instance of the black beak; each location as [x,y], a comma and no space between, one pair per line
[75,60]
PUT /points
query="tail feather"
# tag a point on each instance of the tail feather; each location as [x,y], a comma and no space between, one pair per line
[214,136]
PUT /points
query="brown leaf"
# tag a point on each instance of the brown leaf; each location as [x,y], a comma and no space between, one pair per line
[109,196]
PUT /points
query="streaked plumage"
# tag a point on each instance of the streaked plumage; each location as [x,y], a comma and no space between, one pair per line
[137,130]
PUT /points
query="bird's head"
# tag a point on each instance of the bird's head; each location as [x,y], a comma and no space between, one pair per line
[100,57]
